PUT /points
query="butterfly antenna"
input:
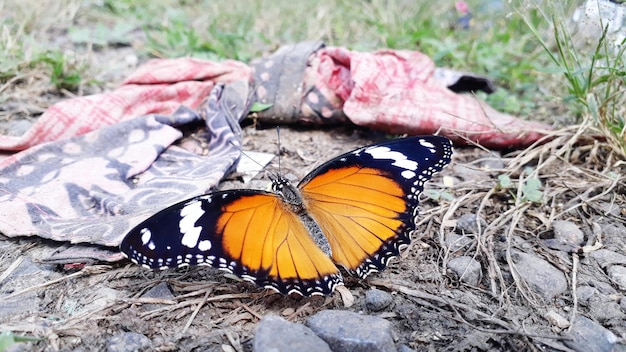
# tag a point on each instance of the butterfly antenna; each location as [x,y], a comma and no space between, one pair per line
[278,137]
[261,166]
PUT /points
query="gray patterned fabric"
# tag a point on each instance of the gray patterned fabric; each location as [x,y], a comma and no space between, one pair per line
[102,184]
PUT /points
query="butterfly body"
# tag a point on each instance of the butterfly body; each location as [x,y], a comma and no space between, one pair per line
[356,211]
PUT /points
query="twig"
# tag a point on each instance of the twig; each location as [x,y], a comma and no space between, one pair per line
[45,284]
[574,297]
[195,312]
[11,268]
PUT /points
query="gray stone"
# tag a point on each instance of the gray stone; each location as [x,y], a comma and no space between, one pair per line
[405,348]
[347,331]
[607,257]
[542,277]
[589,336]
[160,291]
[491,162]
[21,305]
[584,293]
[467,223]
[276,334]
[26,274]
[127,342]
[557,319]
[602,308]
[456,242]
[467,269]
[617,273]
[567,232]
[377,300]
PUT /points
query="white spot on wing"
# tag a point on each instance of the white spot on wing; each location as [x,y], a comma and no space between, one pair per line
[189,215]
[145,235]
[204,245]
[408,174]
[399,159]
[428,145]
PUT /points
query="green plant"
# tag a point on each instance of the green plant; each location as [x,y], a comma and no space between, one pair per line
[8,338]
[178,38]
[530,188]
[66,73]
[596,80]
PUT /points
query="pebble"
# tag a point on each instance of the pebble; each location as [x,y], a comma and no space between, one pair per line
[617,273]
[25,275]
[542,277]
[405,348]
[584,293]
[493,161]
[466,224]
[377,300]
[276,334]
[456,242]
[602,308]
[160,291]
[348,331]
[467,269]
[589,336]
[568,232]
[607,257]
[128,342]
[557,319]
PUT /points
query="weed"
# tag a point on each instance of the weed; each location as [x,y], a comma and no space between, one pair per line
[65,73]
[530,188]
[596,81]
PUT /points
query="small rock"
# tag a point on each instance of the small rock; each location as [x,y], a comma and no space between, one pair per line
[567,232]
[467,223]
[589,336]
[584,293]
[456,242]
[127,342]
[405,348]
[606,257]
[26,303]
[15,127]
[493,161]
[610,208]
[377,300]
[617,273]
[557,319]
[542,277]
[276,334]
[467,268]
[160,291]
[603,308]
[348,331]
[622,303]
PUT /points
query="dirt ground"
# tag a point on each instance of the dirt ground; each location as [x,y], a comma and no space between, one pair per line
[85,308]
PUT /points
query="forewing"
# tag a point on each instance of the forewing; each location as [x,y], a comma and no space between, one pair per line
[249,233]
[366,201]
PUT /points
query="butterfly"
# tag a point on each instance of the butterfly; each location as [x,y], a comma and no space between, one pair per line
[356,211]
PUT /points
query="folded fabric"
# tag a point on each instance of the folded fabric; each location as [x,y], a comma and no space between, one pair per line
[94,188]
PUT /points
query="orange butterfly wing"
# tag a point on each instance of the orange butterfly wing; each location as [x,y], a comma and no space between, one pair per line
[358,209]
[366,201]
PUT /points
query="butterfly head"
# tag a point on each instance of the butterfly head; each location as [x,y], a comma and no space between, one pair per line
[287,191]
